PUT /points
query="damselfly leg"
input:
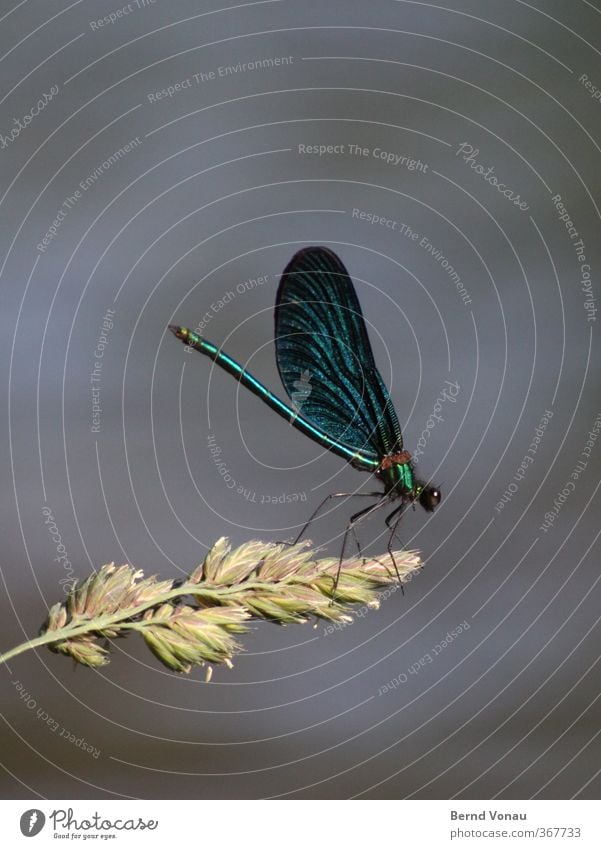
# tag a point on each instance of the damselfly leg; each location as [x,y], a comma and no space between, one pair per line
[355,518]
[392,522]
[321,504]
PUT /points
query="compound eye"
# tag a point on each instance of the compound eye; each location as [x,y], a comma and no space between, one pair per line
[430,498]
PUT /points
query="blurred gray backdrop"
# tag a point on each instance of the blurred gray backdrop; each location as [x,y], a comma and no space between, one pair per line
[160,162]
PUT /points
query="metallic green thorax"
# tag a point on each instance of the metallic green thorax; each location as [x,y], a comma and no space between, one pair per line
[398,478]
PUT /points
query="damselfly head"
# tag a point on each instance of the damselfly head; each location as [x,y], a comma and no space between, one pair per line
[429,496]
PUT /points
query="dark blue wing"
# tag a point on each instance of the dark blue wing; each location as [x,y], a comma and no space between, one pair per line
[324,356]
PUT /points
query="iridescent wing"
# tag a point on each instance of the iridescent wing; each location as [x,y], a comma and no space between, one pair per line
[322,346]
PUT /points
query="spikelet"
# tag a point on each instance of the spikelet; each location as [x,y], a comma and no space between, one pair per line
[286,584]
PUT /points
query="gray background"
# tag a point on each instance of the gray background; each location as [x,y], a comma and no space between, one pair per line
[217,193]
